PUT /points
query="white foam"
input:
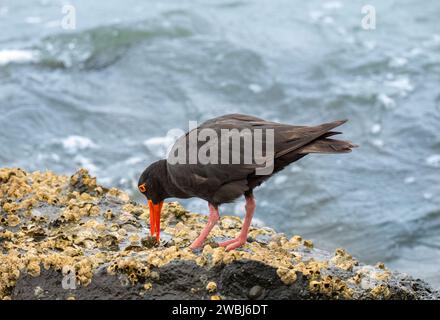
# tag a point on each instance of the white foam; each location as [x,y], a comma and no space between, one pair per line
[133,160]
[74,143]
[50,156]
[295,168]
[376,128]
[389,76]
[17,56]
[370,45]
[328,20]
[255,88]
[316,15]
[402,84]
[55,157]
[331,5]
[280,179]
[396,62]
[434,41]
[415,52]
[433,160]
[378,143]
[386,101]
[427,196]
[410,180]
[4,11]
[159,145]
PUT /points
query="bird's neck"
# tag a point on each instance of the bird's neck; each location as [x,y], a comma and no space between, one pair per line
[168,188]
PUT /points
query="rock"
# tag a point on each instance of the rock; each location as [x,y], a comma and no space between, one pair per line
[69,238]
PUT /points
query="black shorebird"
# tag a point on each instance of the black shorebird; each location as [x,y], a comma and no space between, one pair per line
[223,180]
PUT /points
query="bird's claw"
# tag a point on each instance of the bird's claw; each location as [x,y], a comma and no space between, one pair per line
[233,243]
[196,245]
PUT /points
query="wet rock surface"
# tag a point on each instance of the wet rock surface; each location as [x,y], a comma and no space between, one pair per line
[69,238]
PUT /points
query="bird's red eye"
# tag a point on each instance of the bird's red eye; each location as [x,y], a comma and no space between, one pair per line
[142,188]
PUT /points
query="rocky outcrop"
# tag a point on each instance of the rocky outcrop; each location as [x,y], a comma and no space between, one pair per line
[69,238]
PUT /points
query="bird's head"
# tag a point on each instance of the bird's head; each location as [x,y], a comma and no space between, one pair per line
[151,186]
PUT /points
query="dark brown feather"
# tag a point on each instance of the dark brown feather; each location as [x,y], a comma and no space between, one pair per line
[219,183]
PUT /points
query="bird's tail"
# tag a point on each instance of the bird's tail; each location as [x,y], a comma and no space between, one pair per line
[325,145]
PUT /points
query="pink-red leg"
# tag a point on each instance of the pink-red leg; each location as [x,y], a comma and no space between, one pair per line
[212,220]
[242,237]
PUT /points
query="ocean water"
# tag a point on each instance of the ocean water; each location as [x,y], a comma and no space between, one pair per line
[104,95]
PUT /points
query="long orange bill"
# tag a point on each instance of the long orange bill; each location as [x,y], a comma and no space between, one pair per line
[155,210]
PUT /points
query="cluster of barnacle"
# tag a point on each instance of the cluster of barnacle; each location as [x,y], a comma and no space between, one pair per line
[33,265]
[9,272]
[332,287]
[13,183]
[181,232]
[374,279]
[381,291]
[82,182]
[175,209]
[212,256]
[84,271]
[65,244]
[118,195]
[134,269]
[102,233]
[287,275]
[343,260]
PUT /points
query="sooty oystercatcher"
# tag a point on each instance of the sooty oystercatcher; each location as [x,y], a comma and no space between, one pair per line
[219,171]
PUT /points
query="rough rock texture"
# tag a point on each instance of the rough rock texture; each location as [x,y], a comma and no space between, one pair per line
[69,238]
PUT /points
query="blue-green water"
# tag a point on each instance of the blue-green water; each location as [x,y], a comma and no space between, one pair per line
[104,95]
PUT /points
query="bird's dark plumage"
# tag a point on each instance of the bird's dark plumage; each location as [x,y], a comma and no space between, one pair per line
[221,183]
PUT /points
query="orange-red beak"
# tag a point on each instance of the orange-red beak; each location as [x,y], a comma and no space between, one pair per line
[155,218]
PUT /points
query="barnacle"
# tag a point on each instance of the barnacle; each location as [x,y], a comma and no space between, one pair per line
[211,287]
[229,222]
[148,286]
[13,220]
[288,276]
[154,275]
[109,214]
[343,260]
[308,244]
[133,278]
[119,195]
[175,209]
[380,292]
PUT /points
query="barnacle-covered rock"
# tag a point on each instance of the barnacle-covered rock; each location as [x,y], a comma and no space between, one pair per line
[70,230]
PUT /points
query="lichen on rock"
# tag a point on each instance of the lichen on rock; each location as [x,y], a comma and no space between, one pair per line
[53,227]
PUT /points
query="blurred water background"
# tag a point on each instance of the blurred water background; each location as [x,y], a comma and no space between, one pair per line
[103,96]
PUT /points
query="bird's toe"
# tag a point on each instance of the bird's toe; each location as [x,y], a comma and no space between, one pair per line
[227,242]
[233,243]
[238,243]
[196,245]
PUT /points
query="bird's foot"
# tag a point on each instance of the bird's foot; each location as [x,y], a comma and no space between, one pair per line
[233,243]
[198,243]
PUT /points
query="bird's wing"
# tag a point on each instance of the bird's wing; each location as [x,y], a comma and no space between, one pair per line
[208,178]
